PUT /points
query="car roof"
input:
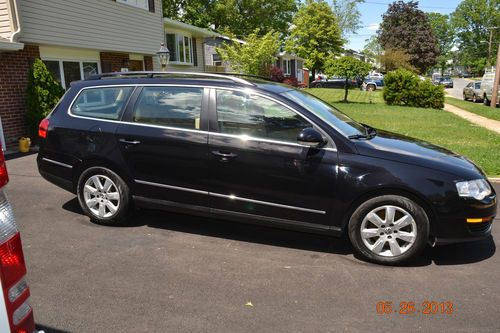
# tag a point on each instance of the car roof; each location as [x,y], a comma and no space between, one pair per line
[198,79]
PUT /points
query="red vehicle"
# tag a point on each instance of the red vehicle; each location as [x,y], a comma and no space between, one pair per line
[16,314]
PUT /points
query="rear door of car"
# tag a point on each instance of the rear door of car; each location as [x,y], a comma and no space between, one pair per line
[163,139]
[258,169]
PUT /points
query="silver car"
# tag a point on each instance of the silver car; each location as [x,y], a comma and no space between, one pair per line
[472,91]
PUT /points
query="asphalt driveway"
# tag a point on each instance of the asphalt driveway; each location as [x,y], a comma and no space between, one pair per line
[175,273]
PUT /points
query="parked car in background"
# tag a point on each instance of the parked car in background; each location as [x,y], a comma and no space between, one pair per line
[464,75]
[372,83]
[435,78]
[487,88]
[472,91]
[376,75]
[16,314]
[256,151]
[445,81]
[333,82]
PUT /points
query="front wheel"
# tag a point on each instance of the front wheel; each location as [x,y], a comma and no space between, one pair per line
[103,196]
[370,87]
[485,101]
[389,229]
[474,98]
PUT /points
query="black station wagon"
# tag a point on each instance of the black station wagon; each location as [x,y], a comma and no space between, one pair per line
[255,151]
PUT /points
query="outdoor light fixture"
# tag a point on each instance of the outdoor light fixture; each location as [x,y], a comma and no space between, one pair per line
[163,56]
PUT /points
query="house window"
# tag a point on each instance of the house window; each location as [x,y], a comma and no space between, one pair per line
[181,48]
[66,71]
[216,60]
[287,67]
[144,4]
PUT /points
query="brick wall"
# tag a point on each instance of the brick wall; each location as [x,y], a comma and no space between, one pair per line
[148,63]
[14,69]
[113,62]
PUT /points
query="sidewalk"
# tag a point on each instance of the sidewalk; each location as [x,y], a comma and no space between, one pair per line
[492,125]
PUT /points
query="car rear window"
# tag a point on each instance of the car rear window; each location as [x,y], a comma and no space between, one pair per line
[169,106]
[101,102]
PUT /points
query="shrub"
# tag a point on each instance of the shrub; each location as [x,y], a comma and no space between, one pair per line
[276,74]
[292,81]
[43,93]
[403,87]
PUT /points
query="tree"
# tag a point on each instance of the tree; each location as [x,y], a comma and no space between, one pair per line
[393,59]
[255,56]
[373,51]
[237,17]
[405,27]
[43,93]
[472,21]
[348,15]
[347,67]
[445,35]
[315,34]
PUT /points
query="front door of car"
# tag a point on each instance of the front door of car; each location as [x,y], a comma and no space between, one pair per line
[257,167]
[163,140]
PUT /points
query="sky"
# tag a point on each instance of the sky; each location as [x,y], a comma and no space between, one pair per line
[372,11]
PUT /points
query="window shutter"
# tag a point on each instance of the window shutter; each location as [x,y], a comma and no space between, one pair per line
[195,56]
[151,5]
[292,71]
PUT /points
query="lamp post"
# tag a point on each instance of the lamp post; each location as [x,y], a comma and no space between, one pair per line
[163,56]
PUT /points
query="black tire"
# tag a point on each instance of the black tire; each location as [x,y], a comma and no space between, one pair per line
[318,85]
[371,87]
[465,97]
[474,98]
[421,226]
[119,189]
[485,101]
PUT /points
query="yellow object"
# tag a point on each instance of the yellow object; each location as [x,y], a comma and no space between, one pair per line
[24,145]
[476,220]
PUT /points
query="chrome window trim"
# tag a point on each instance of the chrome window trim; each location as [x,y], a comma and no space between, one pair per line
[242,137]
[231,197]
[57,163]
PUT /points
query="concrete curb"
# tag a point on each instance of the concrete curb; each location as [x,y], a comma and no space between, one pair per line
[494,180]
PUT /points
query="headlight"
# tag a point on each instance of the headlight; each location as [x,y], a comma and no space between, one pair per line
[477,189]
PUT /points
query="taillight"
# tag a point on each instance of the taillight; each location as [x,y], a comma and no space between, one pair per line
[12,266]
[43,128]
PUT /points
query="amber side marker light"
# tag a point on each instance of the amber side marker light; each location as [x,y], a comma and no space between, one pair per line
[479,220]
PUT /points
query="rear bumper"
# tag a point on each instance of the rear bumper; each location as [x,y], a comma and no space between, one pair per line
[56,174]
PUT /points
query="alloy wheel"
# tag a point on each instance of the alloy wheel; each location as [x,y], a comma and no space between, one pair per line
[101,196]
[388,231]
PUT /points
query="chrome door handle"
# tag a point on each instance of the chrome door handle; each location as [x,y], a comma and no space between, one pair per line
[130,142]
[224,156]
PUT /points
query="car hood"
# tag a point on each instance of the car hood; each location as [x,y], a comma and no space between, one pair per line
[399,148]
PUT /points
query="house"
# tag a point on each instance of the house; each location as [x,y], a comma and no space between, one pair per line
[292,65]
[186,44]
[75,39]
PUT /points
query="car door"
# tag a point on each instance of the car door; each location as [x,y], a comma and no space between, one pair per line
[163,141]
[468,90]
[257,168]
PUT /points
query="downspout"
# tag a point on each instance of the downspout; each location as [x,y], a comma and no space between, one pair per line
[15,35]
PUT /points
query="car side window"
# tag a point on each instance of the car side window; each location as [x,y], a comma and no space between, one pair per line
[169,106]
[469,85]
[240,113]
[101,102]
[478,85]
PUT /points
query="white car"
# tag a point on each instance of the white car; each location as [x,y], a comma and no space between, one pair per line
[487,88]
[16,314]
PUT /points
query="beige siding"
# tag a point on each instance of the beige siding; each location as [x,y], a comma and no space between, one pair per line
[5,25]
[95,24]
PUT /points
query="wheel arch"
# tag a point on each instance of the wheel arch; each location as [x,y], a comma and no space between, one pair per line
[100,162]
[377,192]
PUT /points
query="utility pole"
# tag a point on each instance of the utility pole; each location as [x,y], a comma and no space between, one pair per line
[489,48]
[494,93]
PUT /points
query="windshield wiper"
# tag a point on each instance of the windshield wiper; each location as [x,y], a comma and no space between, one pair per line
[370,132]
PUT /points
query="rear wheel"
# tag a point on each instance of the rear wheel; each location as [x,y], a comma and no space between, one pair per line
[103,196]
[465,97]
[389,229]
[370,87]
[318,85]
[485,100]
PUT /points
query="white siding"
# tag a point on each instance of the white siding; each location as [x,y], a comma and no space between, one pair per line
[5,26]
[94,24]
[191,68]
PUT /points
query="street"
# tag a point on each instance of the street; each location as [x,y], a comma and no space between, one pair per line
[458,87]
[174,273]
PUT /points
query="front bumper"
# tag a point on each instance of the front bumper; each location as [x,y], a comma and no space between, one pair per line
[455,228]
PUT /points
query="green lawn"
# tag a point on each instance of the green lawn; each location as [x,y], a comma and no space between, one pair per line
[436,126]
[477,108]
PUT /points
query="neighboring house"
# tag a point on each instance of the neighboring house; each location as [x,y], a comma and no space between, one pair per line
[292,65]
[186,44]
[352,53]
[75,39]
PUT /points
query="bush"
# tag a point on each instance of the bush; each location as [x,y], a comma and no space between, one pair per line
[403,87]
[291,81]
[42,95]
[276,74]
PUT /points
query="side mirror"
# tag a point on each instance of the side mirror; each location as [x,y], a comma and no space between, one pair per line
[310,137]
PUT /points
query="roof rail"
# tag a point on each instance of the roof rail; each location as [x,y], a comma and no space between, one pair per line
[153,74]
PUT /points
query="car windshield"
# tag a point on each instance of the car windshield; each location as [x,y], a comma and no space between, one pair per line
[332,116]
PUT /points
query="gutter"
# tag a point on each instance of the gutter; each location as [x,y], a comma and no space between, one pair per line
[13,7]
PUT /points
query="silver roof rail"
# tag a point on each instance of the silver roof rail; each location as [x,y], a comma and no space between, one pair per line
[153,74]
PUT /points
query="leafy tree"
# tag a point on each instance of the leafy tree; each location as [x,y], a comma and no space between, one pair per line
[315,34]
[255,56]
[348,15]
[472,21]
[393,59]
[445,35]
[347,67]
[373,51]
[405,27]
[237,17]
[43,93]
